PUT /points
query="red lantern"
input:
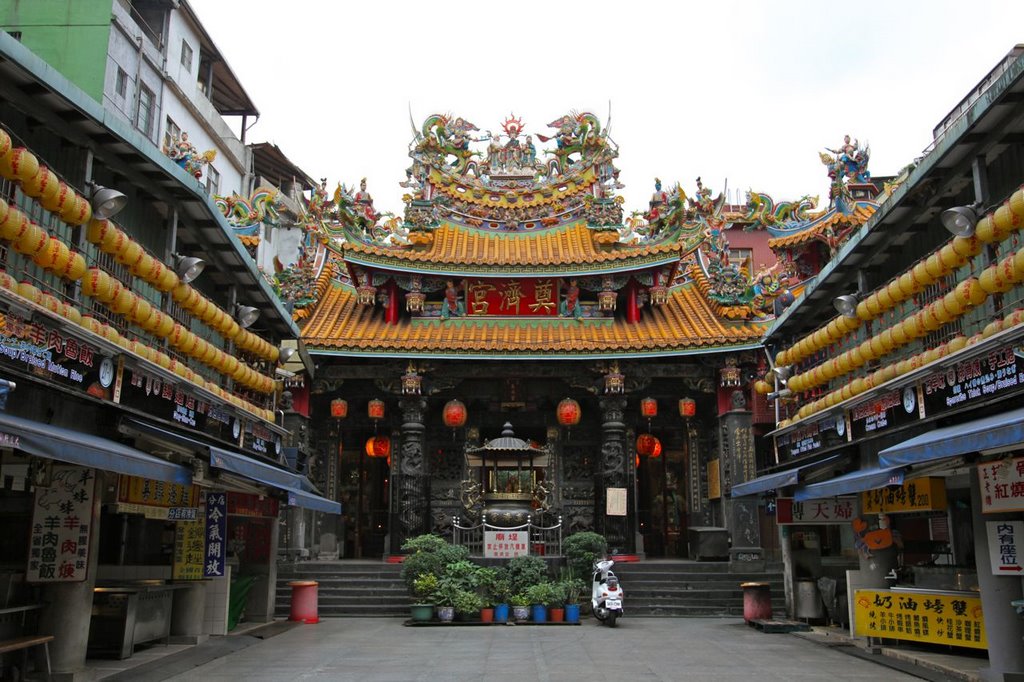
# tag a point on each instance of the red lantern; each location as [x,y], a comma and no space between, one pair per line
[687,407]
[568,412]
[648,445]
[454,414]
[378,446]
[375,409]
[649,408]
[339,408]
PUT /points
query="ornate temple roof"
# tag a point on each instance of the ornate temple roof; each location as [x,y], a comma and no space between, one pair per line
[685,323]
[830,227]
[461,250]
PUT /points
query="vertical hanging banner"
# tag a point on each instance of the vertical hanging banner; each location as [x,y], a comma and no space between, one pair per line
[216,532]
[189,550]
[61,525]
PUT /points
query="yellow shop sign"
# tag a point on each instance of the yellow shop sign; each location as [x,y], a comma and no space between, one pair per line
[918,494]
[935,618]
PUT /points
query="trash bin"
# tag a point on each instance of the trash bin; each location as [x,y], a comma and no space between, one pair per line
[808,600]
[757,601]
[304,601]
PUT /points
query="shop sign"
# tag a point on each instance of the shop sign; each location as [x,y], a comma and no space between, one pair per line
[812,437]
[261,440]
[815,512]
[47,352]
[165,400]
[188,550]
[972,380]
[532,297]
[890,409]
[615,502]
[1005,540]
[151,492]
[1002,485]
[215,535]
[714,482]
[248,504]
[506,544]
[935,618]
[61,524]
[919,494]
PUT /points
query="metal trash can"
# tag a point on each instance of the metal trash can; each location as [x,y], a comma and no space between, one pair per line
[808,600]
[305,605]
[757,601]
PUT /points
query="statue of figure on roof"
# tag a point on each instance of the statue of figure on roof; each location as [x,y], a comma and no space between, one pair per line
[850,164]
[570,305]
[185,154]
[452,304]
[444,136]
[365,202]
[765,287]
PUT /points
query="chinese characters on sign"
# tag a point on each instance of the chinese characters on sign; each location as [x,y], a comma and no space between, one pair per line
[1004,541]
[935,618]
[46,351]
[188,550]
[506,544]
[512,297]
[714,480]
[615,502]
[61,524]
[812,437]
[216,534]
[834,510]
[974,379]
[919,494]
[1002,485]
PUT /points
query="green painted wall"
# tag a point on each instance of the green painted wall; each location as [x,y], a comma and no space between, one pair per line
[71,35]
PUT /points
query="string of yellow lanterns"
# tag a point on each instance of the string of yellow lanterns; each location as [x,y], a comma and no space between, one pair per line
[999,277]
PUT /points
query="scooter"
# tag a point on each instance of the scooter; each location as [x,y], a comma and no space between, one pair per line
[606,595]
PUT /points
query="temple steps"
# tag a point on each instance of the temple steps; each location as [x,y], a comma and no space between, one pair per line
[656,587]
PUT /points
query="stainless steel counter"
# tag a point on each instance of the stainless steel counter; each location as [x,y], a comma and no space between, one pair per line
[129,614]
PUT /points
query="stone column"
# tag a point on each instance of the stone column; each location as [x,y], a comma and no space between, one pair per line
[741,513]
[412,490]
[1004,629]
[613,468]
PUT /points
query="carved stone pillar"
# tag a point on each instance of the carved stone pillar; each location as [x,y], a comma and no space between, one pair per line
[410,478]
[614,471]
[741,513]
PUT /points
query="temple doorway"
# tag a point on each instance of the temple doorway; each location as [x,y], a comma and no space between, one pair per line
[364,482]
[661,496]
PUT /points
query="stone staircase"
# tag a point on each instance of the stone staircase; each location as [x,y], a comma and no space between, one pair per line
[347,588]
[679,588]
[653,587]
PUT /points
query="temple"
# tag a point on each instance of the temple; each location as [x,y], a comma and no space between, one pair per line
[516,298]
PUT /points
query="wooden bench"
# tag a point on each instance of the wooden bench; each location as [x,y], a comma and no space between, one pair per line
[23,644]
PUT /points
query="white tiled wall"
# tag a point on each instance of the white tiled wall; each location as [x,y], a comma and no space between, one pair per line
[215,619]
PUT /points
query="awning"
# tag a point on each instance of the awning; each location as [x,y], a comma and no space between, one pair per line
[997,431]
[308,501]
[854,482]
[55,442]
[777,479]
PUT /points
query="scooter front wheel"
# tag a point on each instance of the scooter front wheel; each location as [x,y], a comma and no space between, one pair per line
[610,619]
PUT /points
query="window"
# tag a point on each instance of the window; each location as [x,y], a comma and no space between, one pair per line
[144,115]
[172,133]
[15,34]
[741,257]
[186,55]
[212,180]
[121,84]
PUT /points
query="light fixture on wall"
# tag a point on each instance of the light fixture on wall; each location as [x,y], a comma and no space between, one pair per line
[960,220]
[846,305]
[105,202]
[246,315]
[188,267]
[285,353]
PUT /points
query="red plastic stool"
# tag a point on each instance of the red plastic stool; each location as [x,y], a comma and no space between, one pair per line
[304,601]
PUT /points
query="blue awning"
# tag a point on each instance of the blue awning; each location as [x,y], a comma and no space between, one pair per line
[228,460]
[55,442]
[854,482]
[307,501]
[1003,430]
[776,480]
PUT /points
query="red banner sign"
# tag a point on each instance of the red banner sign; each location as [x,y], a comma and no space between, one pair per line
[530,297]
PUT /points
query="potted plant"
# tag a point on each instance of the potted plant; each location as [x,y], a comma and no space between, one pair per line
[572,590]
[467,604]
[444,599]
[520,607]
[539,596]
[423,588]
[501,590]
[486,581]
[556,602]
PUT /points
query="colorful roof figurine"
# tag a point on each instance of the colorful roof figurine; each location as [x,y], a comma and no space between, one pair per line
[505,250]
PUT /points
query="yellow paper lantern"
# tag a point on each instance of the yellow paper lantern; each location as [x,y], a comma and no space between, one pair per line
[181,292]
[922,275]
[54,256]
[993,282]
[992,328]
[13,224]
[5,143]
[97,284]
[168,280]
[899,335]
[164,326]
[31,240]
[968,247]
[29,292]
[969,291]
[874,305]
[985,230]
[863,313]
[145,266]
[124,299]
[143,310]
[19,164]
[908,285]
[1006,222]
[39,183]
[950,259]
[129,254]
[76,212]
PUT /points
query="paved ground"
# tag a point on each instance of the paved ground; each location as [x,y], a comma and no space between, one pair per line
[383,650]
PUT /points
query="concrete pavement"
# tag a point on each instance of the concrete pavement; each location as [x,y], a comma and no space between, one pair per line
[383,650]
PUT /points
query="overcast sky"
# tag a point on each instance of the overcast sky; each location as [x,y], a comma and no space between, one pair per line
[744,91]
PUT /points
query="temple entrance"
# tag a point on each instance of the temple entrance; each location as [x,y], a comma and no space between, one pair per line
[661,496]
[363,493]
